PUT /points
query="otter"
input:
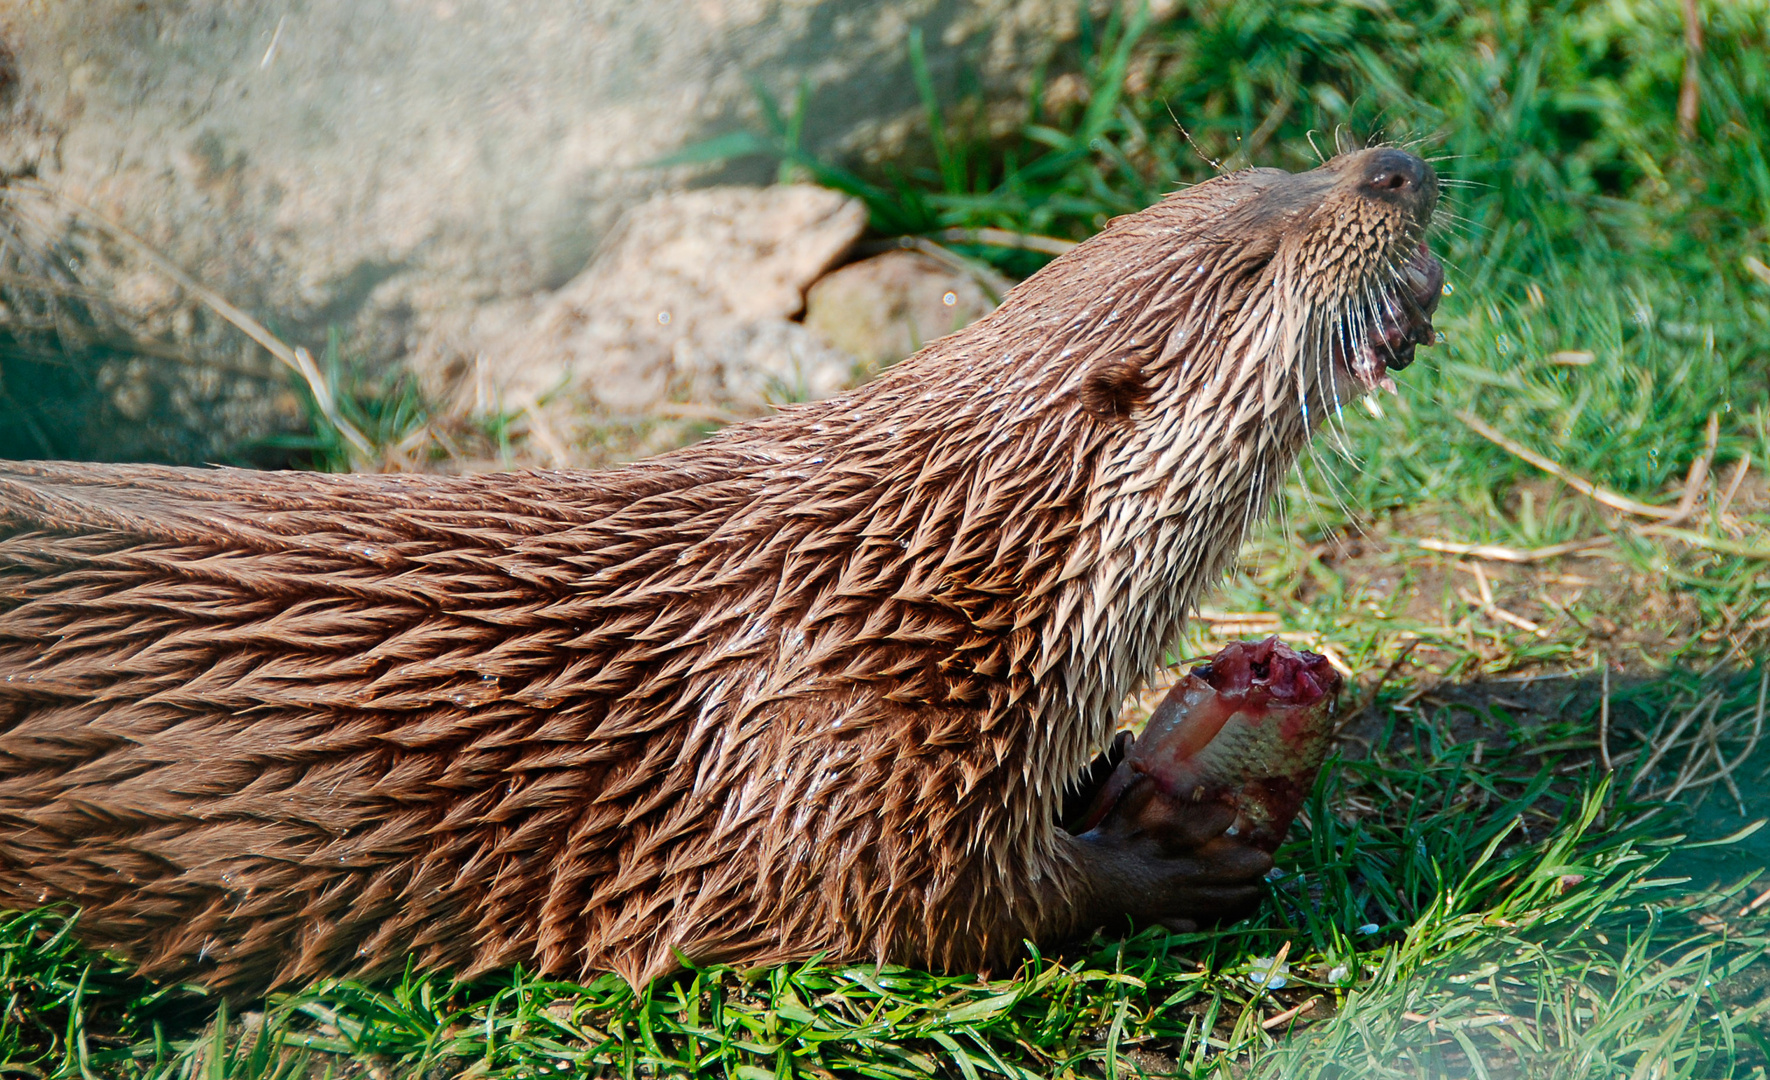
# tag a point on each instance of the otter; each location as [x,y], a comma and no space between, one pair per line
[814,685]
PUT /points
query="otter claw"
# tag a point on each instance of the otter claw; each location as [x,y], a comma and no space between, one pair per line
[1082,795]
[1157,859]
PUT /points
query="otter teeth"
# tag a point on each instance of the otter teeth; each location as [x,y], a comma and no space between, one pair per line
[1369,368]
[1371,404]
[1418,280]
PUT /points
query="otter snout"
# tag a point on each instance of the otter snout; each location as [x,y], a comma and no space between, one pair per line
[1399,176]
[1396,180]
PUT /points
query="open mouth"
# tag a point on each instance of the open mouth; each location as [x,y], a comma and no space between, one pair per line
[1403,320]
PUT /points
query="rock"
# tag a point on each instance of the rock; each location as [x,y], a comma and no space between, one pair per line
[882,309]
[387,170]
[87,372]
[690,302]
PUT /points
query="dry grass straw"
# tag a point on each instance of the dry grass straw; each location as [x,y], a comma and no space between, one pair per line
[1664,519]
[297,359]
[47,298]
[1694,747]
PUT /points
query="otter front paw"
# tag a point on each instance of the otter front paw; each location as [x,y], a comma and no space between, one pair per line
[1156,859]
[1178,826]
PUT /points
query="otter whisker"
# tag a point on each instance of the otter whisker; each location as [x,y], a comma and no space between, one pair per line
[1456,225]
[1331,478]
[1356,334]
[1319,156]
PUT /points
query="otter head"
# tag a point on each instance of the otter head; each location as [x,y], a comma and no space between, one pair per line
[1282,293]
[1349,244]
[1336,285]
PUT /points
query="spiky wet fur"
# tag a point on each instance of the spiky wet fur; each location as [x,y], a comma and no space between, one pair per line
[815,684]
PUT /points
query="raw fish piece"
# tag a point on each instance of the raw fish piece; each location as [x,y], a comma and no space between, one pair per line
[1249,729]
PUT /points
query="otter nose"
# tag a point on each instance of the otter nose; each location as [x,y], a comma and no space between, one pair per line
[1394,172]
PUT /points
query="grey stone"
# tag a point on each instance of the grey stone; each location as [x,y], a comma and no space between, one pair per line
[882,309]
[688,303]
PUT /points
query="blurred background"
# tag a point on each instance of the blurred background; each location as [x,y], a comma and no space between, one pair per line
[471,215]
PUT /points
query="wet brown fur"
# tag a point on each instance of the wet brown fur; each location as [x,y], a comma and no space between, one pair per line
[814,684]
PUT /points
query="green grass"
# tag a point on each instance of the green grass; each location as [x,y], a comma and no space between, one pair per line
[1470,892]
[1433,913]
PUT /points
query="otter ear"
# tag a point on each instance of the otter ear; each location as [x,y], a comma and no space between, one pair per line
[1113,387]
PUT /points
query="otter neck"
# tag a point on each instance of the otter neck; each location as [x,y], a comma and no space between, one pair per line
[1170,507]
[1024,510]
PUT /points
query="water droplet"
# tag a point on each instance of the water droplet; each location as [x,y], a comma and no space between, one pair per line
[1367,928]
[663,318]
[1439,338]
[1265,974]
[1448,289]
[950,299]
